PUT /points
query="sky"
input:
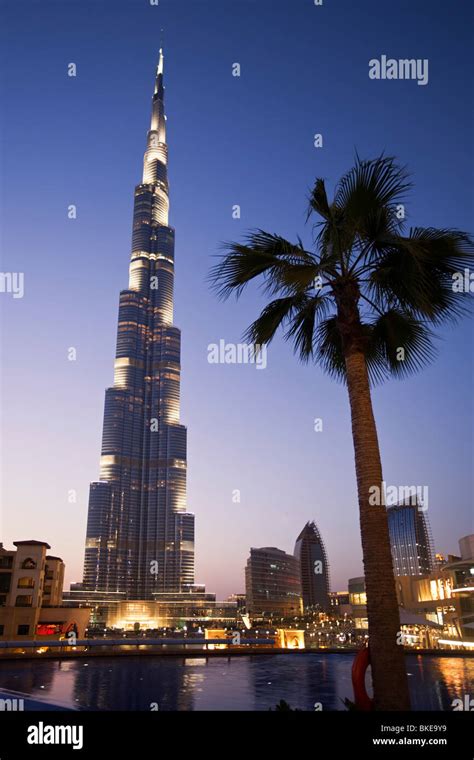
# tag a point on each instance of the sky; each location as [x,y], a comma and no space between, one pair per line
[246,141]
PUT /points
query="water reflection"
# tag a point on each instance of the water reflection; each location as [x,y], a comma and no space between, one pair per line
[301,682]
[135,684]
[436,681]
[242,683]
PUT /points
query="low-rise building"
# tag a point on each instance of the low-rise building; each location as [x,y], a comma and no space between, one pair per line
[31,588]
[358,602]
[445,596]
[437,608]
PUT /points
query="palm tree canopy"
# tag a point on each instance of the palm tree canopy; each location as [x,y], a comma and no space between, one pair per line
[370,285]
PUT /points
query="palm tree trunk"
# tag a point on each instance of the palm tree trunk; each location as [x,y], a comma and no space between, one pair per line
[387,659]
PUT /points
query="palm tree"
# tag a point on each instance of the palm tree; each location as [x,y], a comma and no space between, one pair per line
[362,306]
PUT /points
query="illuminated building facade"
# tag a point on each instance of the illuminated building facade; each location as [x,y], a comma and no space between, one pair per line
[273,584]
[459,572]
[417,629]
[358,602]
[31,595]
[339,603]
[140,538]
[436,609]
[410,540]
[310,551]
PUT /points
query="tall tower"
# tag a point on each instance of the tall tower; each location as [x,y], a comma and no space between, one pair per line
[140,539]
[310,551]
[410,539]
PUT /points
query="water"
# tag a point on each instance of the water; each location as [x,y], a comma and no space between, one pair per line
[256,682]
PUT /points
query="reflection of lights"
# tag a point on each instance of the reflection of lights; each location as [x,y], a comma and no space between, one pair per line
[456,643]
[460,590]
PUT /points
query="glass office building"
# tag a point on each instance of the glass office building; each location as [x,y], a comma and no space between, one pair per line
[273,584]
[410,539]
[140,538]
[310,551]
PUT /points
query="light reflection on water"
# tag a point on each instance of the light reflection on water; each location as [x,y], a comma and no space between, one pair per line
[256,682]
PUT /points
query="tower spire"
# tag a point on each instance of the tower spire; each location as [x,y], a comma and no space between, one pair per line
[159,74]
[156,154]
[159,68]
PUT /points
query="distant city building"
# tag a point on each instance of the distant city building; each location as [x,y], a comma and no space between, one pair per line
[339,603]
[358,602]
[416,629]
[439,560]
[436,609]
[239,599]
[109,610]
[31,591]
[174,612]
[410,540]
[311,554]
[461,572]
[273,583]
[466,546]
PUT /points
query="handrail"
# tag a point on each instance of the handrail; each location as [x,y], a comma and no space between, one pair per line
[66,643]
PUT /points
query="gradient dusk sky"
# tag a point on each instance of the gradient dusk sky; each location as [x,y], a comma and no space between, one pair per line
[246,141]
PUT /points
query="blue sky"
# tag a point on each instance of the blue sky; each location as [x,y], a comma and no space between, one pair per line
[244,140]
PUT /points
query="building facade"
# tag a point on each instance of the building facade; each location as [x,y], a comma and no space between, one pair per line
[459,574]
[410,540]
[358,603]
[140,538]
[417,630]
[311,554]
[437,608]
[31,595]
[339,603]
[447,596]
[273,584]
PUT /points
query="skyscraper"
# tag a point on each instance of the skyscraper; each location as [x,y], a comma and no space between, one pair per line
[272,583]
[410,539]
[310,551]
[140,538]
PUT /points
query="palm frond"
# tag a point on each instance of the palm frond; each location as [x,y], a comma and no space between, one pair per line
[299,311]
[318,200]
[398,345]
[371,184]
[263,254]
[368,198]
[275,314]
[328,349]
[304,322]
[416,273]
